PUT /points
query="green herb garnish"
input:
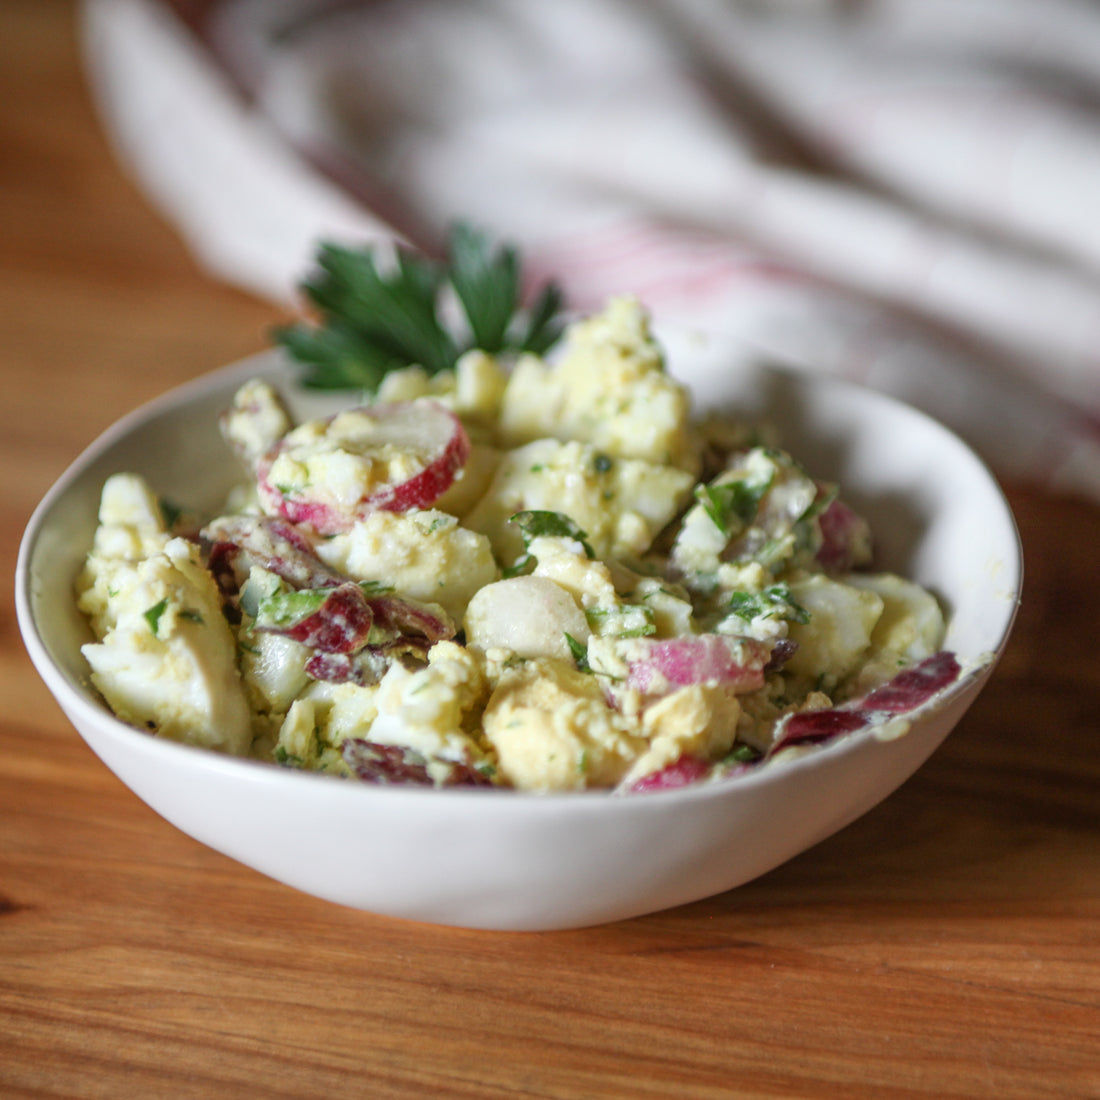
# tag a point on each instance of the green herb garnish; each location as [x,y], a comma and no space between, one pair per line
[169,513]
[375,318]
[287,759]
[153,614]
[773,602]
[536,524]
[282,610]
[625,621]
[742,754]
[579,652]
[732,506]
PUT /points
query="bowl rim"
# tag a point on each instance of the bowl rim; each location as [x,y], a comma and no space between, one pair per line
[81,701]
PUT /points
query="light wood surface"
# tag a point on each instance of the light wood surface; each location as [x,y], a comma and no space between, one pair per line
[945,946]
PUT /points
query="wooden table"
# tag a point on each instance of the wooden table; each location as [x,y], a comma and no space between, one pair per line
[947,945]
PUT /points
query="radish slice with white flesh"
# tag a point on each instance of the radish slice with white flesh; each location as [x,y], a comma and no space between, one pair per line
[275,545]
[376,458]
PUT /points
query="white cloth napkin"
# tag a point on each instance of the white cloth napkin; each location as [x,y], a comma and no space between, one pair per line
[902,192]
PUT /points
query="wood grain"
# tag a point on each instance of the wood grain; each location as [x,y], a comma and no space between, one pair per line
[944,946]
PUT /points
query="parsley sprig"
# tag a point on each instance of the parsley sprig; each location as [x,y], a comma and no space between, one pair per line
[374,318]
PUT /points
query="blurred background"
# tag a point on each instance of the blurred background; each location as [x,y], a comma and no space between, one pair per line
[902,192]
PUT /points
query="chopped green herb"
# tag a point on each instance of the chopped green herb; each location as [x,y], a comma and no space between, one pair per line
[602,463]
[732,506]
[625,621]
[773,602]
[579,652]
[191,616]
[376,318]
[538,524]
[742,754]
[285,609]
[169,512]
[153,614]
[287,759]
[807,532]
[375,588]
[774,552]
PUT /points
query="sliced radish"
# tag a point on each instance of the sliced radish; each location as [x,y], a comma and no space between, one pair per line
[683,772]
[329,620]
[275,545]
[377,458]
[813,727]
[845,539]
[909,689]
[913,687]
[407,618]
[660,666]
[397,765]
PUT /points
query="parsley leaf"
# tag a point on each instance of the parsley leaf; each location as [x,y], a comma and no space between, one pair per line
[373,319]
[773,602]
[152,615]
[733,505]
[578,651]
[535,524]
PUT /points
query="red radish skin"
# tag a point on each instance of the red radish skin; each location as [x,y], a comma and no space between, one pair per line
[816,726]
[909,689]
[844,538]
[680,773]
[734,663]
[393,765]
[340,625]
[335,668]
[915,686]
[425,426]
[410,618]
[274,544]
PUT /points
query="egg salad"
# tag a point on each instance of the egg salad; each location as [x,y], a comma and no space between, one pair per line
[534,573]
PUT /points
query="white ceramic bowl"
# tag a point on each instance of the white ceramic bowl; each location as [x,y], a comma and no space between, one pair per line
[503,860]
